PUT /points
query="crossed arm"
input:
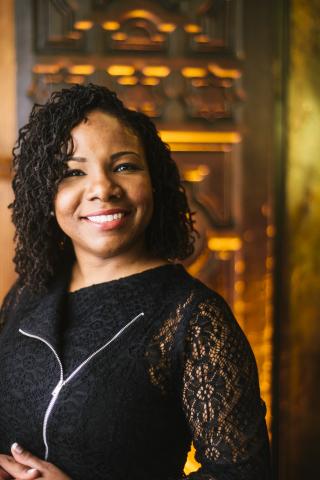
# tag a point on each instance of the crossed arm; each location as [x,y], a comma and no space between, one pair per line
[22,465]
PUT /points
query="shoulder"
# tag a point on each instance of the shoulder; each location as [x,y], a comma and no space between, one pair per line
[209,325]
[193,301]
[18,299]
[12,295]
[201,301]
[10,302]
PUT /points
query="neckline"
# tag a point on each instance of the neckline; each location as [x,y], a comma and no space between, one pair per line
[143,275]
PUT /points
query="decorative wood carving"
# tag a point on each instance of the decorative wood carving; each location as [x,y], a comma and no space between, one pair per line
[54,27]
[209,182]
[180,94]
[190,27]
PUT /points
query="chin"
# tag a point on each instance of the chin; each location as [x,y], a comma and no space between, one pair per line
[110,251]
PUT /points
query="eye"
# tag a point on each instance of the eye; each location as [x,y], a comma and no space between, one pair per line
[127,167]
[73,172]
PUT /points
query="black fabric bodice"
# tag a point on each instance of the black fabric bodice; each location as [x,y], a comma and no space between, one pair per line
[151,362]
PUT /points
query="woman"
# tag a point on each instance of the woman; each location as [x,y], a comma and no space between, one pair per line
[112,357]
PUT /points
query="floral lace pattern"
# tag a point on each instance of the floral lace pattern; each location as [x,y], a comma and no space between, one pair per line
[219,392]
[184,373]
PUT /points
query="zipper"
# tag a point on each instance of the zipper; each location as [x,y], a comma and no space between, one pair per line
[54,393]
[62,382]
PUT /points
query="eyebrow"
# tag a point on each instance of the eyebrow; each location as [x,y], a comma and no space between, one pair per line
[113,157]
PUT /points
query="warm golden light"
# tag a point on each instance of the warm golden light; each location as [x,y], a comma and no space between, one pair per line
[81,69]
[269,288]
[269,263]
[150,81]
[239,266]
[83,25]
[166,27]
[195,268]
[119,36]
[196,174]
[239,307]
[191,464]
[201,38]
[178,136]
[79,79]
[147,107]
[127,80]
[53,78]
[191,72]
[121,70]
[226,83]
[42,68]
[224,243]
[239,286]
[74,35]
[158,38]
[271,231]
[223,72]
[196,147]
[156,71]
[192,28]
[111,26]
[265,209]
[139,13]
[199,82]
[223,256]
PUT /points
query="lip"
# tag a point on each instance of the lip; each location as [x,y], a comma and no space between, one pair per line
[111,225]
[111,211]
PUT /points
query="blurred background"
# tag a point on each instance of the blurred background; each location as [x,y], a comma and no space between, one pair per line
[233,87]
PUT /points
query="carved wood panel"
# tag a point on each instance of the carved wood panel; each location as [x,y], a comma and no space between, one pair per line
[191,26]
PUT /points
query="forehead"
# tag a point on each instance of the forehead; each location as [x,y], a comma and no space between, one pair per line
[101,125]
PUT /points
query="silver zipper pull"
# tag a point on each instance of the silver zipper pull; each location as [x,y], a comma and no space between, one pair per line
[57,389]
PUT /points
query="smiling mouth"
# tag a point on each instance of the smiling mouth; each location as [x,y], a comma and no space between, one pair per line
[106,218]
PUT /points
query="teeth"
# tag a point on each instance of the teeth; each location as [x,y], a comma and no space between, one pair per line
[105,218]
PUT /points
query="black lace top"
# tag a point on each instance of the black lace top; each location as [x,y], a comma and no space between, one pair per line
[150,363]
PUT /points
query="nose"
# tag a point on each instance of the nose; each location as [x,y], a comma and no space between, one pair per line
[103,186]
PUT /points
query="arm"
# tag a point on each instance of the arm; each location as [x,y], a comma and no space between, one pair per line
[221,398]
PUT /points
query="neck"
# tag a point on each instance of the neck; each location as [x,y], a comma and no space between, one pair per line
[89,271]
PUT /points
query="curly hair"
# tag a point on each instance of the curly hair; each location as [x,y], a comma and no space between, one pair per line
[39,164]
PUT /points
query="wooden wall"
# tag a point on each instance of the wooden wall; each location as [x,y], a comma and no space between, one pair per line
[7,138]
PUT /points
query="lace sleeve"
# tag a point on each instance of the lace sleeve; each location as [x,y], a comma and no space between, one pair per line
[221,398]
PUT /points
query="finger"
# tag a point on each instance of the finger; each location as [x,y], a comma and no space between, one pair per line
[4,475]
[16,469]
[26,458]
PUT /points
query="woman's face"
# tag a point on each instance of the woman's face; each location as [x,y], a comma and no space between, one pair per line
[105,202]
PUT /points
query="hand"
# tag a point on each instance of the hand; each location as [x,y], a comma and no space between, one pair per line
[11,469]
[25,466]
[4,475]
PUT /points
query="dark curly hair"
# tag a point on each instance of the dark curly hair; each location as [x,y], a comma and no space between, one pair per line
[39,164]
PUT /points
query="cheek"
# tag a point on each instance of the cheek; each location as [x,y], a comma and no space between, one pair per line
[65,204]
[143,196]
